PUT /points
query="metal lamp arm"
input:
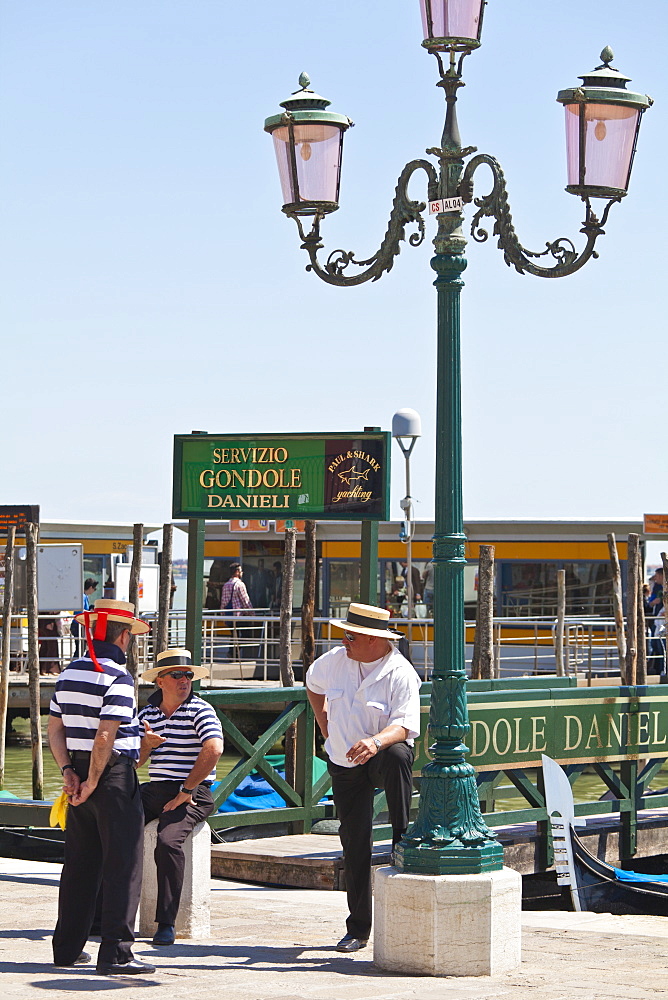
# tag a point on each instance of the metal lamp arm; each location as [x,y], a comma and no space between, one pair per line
[404,212]
[495,204]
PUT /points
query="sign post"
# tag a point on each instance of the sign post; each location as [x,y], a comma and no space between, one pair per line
[195,588]
[369,554]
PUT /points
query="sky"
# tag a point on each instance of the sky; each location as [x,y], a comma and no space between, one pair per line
[150,285]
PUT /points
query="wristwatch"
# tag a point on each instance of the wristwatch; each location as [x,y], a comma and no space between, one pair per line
[379,745]
[188,791]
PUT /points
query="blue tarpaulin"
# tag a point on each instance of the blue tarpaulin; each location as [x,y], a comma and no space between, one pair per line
[638,876]
[255,792]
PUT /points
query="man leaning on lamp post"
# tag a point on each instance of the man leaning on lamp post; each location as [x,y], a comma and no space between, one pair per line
[366,700]
[182,735]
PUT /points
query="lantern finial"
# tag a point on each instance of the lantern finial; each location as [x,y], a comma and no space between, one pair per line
[305,79]
[607,55]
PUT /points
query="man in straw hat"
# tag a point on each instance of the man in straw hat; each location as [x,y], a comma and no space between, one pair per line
[184,739]
[94,738]
[366,699]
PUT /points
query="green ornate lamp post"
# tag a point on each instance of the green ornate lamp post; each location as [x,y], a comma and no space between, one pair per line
[449,836]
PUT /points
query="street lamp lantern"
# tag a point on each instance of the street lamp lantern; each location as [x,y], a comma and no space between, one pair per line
[406,423]
[452,25]
[308,141]
[602,123]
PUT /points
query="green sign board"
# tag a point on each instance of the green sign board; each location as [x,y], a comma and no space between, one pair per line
[333,476]
[513,729]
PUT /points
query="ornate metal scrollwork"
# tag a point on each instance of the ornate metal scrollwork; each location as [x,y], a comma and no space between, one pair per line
[404,212]
[495,204]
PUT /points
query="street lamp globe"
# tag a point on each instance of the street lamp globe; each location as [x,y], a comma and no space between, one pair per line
[308,141]
[406,423]
[602,123]
[451,25]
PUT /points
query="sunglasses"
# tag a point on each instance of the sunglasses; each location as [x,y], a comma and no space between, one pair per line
[178,674]
[350,636]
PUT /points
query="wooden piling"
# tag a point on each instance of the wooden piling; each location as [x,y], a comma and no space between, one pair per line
[161,638]
[133,594]
[561,617]
[664,563]
[32,531]
[632,580]
[483,646]
[285,646]
[618,607]
[6,644]
[641,668]
[308,600]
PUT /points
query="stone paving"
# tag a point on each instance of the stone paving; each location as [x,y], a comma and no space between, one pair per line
[278,943]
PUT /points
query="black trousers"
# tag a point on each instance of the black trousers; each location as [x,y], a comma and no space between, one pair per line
[353,789]
[173,828]
[103,847]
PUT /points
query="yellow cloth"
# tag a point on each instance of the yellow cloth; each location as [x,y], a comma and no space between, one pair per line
[58,815]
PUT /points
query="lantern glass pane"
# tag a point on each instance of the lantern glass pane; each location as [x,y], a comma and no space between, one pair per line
[450,18]
[318,157]
[609,136]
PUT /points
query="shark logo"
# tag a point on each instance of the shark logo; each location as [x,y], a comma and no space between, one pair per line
[348,475]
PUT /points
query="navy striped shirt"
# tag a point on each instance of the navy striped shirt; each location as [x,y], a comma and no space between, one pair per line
[185,731]
[83,697]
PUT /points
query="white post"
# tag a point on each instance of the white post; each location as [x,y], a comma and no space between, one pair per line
[194,916]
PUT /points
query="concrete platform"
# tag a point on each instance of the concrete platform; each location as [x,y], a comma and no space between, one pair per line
[277,944]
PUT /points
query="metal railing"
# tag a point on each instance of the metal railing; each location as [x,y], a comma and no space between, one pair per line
[245,647]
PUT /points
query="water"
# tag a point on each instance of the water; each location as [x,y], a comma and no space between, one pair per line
[587,788]
[18,764]
[18,772]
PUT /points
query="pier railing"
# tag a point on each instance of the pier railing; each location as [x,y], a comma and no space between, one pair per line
[618,735]
[615,736]
[245,648]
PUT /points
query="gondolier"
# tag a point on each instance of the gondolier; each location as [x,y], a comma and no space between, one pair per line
[94,738]
[366,699]
[183,738]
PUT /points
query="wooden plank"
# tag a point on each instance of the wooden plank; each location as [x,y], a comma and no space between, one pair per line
[307,861]
[315,861]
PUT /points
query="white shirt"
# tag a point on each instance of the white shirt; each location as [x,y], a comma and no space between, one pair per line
[364,698]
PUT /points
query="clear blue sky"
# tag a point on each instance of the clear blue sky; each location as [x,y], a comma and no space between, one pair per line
[149,284]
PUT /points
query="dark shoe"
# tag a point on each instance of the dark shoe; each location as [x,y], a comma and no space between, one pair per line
[83,959]
[164,934]
[350,943]
[132,968]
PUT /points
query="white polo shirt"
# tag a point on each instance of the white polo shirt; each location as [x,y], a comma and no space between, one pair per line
[364,698]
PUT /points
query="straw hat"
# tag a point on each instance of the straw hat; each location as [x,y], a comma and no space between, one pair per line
[113,611]
[367,620]
[172,659]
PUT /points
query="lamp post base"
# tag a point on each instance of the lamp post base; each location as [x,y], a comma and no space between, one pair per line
[447,925]
[432,859]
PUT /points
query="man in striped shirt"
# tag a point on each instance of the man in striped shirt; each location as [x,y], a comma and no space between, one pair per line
[94,738]
[184,739]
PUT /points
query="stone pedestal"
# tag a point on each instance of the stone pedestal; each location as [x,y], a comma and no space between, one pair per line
[447,925]
[194,916]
